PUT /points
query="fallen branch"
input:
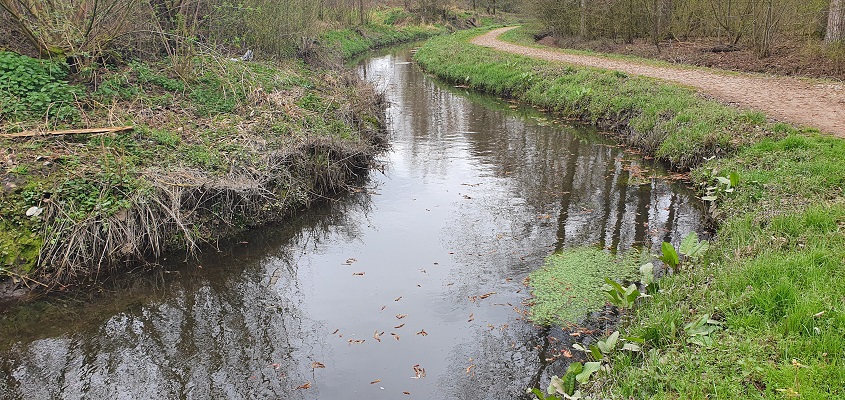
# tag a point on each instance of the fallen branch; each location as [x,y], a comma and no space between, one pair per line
[68,132]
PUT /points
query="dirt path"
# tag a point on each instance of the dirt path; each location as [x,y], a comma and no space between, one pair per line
[803,103]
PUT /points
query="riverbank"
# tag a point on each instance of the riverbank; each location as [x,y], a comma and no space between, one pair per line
[773,278]
[237,145]
[217,146]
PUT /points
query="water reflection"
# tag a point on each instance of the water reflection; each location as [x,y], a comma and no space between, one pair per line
[423,267]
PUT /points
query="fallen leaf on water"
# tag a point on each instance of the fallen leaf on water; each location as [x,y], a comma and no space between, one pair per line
[566,353]
[398,298]
[335,331]
[419,372]
[398,326]
[422,333]
[383,307]
[357,273]
[469,369]
[306,385]
[375,381]
[503,327]
[355,341]
[349,261]
[376,336]
[486,295]
[400,316]
[317,364]
[395,336]
[406,392]
[471,317]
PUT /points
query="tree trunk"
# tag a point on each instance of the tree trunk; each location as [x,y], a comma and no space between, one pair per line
[835,22]
[582,31]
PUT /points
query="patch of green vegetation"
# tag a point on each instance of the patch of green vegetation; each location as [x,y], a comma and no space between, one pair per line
[35,89]
[773,279]
[566,288]
[383,30]
[19,248]
[672,122]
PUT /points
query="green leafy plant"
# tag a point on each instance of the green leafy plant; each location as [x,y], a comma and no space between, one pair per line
[647,278]
[698,331]
[622,297]
[723,185]
[691,248]
[35,89]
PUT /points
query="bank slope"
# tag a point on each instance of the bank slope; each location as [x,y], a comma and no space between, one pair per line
[218,146]
[775,274]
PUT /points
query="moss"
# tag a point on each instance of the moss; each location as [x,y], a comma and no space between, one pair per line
[19,248]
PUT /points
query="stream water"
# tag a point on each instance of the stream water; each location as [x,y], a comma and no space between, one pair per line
[345,301]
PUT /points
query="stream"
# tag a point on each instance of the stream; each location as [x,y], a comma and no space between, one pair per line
[410,287]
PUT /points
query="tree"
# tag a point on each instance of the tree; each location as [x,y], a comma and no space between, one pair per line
[835,22]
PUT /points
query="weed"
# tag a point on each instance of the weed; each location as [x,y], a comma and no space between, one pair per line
[35,89]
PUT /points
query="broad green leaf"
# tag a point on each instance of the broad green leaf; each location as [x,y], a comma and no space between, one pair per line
[608,345]
[709,198]
[631,347]
[704,341]
[670,256]
[589,369]
[576,367]
[595,352]
[647,273]
[577,346]
[556,385]
[635,339]
[689,242]
[734,177]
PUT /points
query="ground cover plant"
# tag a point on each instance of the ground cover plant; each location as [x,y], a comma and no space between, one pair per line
[769,293]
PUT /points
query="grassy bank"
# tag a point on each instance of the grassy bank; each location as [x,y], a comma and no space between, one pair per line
[774,277]
[218,146]
[387,26]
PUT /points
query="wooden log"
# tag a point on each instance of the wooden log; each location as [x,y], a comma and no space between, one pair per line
[68,132]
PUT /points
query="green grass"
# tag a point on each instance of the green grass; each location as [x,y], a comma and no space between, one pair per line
[387,26]
[576,273]
[672,122]
[774,275]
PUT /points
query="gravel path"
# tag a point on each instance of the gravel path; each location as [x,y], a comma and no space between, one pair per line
[803,103]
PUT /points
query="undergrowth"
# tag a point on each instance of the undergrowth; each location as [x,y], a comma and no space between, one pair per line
[774,277]
[216,148]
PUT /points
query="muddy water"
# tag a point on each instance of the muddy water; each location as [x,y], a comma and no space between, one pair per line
[343,302]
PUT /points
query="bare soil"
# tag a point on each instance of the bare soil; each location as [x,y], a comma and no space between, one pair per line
[802,102]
